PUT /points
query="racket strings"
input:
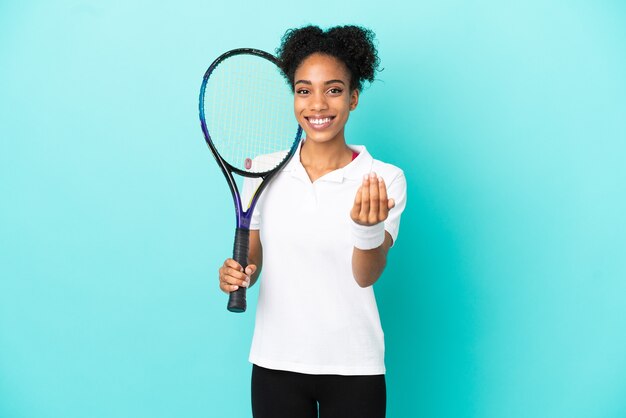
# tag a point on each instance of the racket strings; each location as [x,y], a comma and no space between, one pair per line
[249,113]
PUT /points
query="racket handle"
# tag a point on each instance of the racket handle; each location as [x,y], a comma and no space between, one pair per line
[237,299]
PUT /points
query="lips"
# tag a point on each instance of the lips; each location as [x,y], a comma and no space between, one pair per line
[319,122]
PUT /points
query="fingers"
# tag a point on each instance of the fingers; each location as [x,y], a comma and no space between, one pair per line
[365,198]
[232,275]
[383,208]
[373,215]
[371,204]
[356,208]
[250,269]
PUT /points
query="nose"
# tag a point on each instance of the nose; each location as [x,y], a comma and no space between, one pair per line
[318,102]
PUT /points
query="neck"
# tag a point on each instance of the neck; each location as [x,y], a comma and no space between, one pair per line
[326,155]
[319,159]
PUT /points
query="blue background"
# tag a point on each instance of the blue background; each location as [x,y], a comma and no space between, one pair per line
[504,296]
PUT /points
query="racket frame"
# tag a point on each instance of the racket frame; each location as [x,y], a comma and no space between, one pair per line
[237,299]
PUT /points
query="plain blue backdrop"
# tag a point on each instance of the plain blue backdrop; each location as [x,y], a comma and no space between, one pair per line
[505,292]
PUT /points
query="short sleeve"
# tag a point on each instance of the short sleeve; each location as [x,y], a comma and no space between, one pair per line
[396,190]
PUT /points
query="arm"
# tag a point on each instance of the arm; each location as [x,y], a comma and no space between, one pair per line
[368,265]
[371,207]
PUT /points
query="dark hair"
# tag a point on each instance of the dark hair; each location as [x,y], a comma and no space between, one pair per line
[352,45]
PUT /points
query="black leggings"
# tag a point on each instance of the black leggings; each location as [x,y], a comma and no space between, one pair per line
[280,394]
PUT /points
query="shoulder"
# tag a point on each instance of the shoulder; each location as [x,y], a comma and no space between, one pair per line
[365,163]
[387,171]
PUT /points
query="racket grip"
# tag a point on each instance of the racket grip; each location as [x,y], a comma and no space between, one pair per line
[237,299]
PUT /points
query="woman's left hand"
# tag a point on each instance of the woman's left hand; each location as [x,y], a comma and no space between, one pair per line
[371,204]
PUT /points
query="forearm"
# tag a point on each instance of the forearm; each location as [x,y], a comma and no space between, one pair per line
[368,265]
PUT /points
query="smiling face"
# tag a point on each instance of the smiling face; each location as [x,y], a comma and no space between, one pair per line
[322,99]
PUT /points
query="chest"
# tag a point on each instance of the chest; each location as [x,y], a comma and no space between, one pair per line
[291,205]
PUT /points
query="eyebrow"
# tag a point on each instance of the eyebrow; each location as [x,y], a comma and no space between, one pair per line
[308,82]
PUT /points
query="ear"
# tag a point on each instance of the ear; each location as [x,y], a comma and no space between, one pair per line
[354,99]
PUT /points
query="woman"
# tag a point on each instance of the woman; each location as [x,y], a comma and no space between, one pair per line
[322,230]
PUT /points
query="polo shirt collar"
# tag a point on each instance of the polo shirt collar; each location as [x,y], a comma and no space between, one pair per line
[362,164]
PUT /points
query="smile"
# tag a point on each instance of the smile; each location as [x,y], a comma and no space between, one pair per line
[319,121]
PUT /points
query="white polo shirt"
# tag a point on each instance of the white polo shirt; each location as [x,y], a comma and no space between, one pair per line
[312,317]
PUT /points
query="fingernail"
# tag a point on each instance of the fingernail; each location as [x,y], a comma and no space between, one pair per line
[372,175]
[365,177]
[380,178]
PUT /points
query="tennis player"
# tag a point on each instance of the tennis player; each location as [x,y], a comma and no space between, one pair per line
[322,231]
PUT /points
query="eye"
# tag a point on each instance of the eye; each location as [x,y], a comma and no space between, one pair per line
[302,91]
[335,90]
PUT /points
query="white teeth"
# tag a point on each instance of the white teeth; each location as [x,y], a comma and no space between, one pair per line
[319,121]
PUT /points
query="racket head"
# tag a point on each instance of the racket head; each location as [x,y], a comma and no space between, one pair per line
[246,113]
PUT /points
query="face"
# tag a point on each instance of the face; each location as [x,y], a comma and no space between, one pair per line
[322,98]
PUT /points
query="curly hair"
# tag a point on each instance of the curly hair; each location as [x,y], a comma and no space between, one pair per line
[352,45]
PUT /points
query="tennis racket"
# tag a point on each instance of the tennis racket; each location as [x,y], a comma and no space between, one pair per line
[246,114]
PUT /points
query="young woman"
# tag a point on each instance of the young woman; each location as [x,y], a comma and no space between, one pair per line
[321,231]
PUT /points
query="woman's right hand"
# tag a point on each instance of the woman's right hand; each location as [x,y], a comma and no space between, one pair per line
[232,275]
